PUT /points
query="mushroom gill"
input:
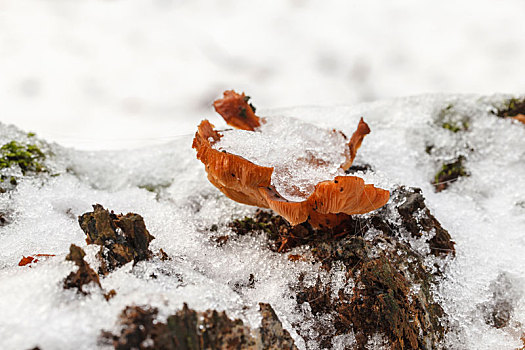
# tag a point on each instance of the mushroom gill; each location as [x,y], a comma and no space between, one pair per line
[246,182]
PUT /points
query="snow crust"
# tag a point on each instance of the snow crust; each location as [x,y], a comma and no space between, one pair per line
[483,212]
[301,154]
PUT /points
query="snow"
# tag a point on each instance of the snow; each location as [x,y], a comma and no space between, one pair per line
[98,74]
[301,154]
[482,212]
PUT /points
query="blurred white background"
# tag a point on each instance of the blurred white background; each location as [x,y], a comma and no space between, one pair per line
[105,74]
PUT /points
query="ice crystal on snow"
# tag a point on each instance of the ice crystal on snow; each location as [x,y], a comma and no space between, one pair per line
[301,153]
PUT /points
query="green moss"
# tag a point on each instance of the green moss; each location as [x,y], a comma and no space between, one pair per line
[512,108]
[154,188]
[451,171]
[455,126]
[248,224]
[449,119]
[515,104]
[27,157]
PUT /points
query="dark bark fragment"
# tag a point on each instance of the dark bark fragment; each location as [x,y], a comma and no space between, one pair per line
[272,335]
[191,330]
[418,219]
[123,238]
[84,275]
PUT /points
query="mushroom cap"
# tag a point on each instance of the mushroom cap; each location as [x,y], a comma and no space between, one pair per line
[238,178]
[345,194]
[236,111]
[248,183]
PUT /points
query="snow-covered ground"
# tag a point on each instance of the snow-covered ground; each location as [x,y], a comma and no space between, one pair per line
[108,74]
[99,74]
[483,212]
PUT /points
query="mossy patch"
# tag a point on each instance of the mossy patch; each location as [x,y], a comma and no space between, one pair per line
[449,173]
[156,188]
[512,108]
[450,119]
[248,224]
[455,126]
[27,157]
[16,158]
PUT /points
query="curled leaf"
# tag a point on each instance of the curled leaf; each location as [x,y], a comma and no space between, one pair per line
[26,260]
[236,111]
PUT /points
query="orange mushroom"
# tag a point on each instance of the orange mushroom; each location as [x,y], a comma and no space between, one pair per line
[236,111]
[236,177]
[245,182]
